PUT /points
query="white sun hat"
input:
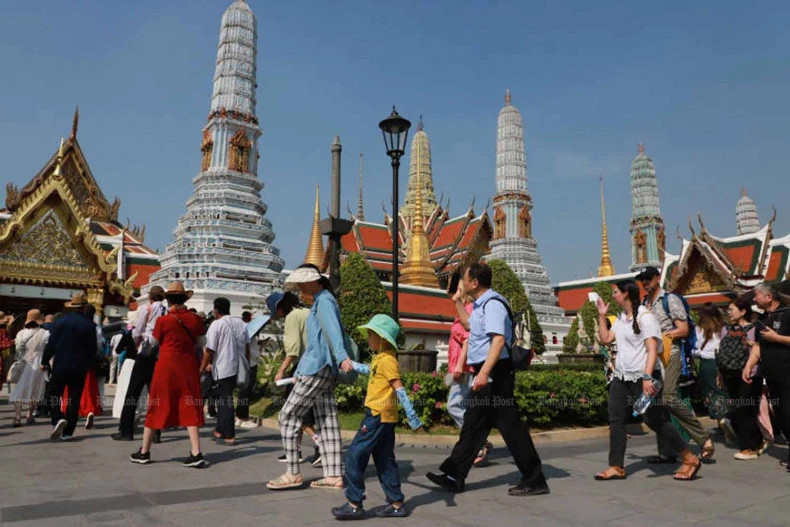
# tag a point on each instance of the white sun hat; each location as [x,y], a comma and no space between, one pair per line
[302,275]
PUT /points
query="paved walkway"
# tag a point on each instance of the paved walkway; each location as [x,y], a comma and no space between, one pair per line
[91,482]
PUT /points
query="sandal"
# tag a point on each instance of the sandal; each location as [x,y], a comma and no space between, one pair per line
[688,471]
[707,451]
[325,483]
[611,473]
[286,481]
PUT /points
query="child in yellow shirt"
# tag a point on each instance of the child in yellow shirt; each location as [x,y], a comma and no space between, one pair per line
[376,434]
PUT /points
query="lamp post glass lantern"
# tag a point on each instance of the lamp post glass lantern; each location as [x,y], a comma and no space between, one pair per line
[395,130]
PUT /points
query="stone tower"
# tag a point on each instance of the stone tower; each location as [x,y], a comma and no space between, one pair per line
[513,241]
[223,243]
[746,217]
[420,174]
[648,238]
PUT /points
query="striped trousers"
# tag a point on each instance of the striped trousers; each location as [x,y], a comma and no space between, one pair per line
[316,393]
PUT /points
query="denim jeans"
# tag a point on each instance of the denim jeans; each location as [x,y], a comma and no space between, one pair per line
[456,399]
[377,438]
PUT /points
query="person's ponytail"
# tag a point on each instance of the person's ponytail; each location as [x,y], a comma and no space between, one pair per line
[630,288]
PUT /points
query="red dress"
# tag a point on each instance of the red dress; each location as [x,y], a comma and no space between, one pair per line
[90,402]
[174,398]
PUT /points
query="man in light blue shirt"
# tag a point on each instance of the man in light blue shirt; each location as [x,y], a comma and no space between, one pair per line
[491,402]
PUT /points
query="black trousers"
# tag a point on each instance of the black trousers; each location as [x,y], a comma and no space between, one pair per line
[779,392]
[243,406]
[75,381]
[744,408]
[495,407]
[223,392]
[622,396]
[142,373]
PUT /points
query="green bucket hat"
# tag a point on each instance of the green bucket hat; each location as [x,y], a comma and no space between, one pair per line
[383,326]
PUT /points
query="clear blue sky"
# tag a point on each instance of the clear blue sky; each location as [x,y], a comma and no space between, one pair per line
[704,84]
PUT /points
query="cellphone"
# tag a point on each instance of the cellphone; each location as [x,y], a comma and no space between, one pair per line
[759,326]
[593,297]
[455,278]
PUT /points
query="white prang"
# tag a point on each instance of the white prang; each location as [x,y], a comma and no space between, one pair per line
[223,243]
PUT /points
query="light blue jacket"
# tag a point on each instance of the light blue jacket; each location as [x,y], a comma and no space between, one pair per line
[317,354]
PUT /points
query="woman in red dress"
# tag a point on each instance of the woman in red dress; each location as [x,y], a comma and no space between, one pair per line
[174,397]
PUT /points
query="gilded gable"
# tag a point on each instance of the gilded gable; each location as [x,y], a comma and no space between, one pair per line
[46,242]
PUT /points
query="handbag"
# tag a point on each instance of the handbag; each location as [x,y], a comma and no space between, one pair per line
[342,377]
[15,371]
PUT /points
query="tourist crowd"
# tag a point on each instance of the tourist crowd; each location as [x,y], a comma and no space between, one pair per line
[190,365]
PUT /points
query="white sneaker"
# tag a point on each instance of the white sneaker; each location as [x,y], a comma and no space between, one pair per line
[249,424]
[89,421]
[58,430]
[746,455]
[763,447]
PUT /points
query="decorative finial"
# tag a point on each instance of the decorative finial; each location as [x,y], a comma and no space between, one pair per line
[360,210]
[641,148]
[606,268]
[75,122]
[420,126]
[336,141]
[315,246]
[507,97]
[56,174]
[743,191]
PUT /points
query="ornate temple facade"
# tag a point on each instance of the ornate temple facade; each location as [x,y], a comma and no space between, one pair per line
[513,241]
[223,243]
[648,237]
[59,235]
[708,268]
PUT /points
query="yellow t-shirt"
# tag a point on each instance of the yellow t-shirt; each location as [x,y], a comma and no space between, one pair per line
[381,397]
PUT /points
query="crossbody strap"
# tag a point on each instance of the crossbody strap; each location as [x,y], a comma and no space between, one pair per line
[509,314]
[323,331]
[186,330]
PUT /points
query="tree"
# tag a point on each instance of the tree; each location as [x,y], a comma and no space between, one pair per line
[505,282]
[604,290]
[589,313]
[361,296]
[571,341]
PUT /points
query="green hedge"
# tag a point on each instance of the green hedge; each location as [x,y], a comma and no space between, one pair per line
[546,395]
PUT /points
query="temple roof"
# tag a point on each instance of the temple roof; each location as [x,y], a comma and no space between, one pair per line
[450,240]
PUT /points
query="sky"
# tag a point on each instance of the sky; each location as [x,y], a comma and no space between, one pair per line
[703,84]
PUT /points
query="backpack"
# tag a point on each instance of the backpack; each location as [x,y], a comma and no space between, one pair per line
[521,352]
[734,349]
[687,343]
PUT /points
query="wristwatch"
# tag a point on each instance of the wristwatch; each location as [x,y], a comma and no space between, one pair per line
[646,377]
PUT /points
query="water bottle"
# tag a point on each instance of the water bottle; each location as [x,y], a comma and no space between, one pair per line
[644,400]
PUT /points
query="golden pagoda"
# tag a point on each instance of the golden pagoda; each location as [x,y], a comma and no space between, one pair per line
[606,268]
[417,270]
[315,248]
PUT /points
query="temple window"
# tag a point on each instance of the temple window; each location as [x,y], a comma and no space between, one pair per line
[239,152]
[207,148]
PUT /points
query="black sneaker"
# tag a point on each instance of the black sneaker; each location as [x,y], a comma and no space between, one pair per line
[139,457]
[120,436]
[524,490]
[157,436]
[348,512]
[444,481]
[57,431]
[315,461]
[391,511]
[283,459]
[195,461]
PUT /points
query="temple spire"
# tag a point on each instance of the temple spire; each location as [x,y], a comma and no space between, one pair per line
[606,268]
[75,122]
[360,210]
[421,163]
[507,97]
[746,219]
[418,269]
[315,247]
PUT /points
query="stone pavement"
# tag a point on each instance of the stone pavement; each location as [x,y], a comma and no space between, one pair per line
[91,482]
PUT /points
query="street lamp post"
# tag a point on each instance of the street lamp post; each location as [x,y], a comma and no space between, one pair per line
[395,130]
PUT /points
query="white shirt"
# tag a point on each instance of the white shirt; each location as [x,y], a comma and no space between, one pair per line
[146,321]
[631,349]
[228,339]
[711,346]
